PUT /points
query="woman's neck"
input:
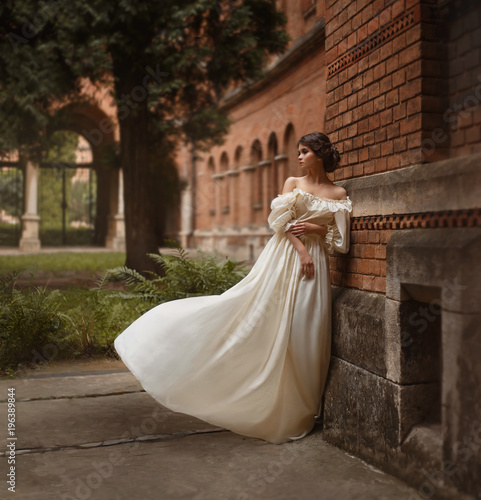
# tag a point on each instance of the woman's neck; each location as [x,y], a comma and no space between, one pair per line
[317,176]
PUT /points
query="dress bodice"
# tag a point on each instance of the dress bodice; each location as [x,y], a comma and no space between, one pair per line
[299,206]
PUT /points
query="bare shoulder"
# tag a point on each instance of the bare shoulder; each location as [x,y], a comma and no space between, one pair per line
[340,193]
[289,185]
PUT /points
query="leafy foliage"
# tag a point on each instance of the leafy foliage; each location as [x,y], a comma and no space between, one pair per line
[96,321]
[184,277]
[11,191]
[167,65]
[30,323]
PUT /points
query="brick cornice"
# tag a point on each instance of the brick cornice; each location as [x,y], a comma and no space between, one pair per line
[401,23]
[445,218]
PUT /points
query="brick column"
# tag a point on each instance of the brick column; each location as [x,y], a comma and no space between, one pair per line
[385,83]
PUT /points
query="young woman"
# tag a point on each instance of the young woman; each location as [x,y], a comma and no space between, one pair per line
[254,359]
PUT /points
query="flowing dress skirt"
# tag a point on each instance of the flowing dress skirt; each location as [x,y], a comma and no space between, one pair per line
[254,359]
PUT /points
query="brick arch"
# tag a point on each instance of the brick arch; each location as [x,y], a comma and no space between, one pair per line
[238,157]
[224,162]
[290,150]
[272,145]
[257,182]
[256,151]
[90,121]
[101,132]
[208,187]
[274,170]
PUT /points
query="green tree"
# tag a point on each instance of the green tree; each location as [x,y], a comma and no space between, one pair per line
[168,64]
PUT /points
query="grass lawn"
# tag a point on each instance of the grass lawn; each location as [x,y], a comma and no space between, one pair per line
[63,261]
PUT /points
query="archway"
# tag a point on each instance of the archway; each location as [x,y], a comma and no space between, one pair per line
[95,136]
[67,192]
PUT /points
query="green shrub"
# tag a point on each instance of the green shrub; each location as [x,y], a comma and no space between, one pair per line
[97,320]
[30,323]
[184,277]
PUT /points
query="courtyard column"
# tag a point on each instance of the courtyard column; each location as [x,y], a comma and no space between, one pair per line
[30,241]
[186,213]
[116,234]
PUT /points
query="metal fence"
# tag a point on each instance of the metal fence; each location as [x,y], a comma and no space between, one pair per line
[67,202]
[11,205]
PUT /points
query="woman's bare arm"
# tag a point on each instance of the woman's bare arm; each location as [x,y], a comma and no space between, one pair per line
[302,228]
[307,265]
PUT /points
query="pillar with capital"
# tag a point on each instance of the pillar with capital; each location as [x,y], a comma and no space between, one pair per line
[30,241]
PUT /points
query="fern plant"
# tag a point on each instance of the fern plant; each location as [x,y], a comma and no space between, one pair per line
[184,277]
[30,323]
[96,321]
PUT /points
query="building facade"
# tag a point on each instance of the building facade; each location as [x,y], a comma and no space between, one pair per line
[396,85]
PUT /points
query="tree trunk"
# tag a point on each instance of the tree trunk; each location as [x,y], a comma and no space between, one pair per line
[139,214]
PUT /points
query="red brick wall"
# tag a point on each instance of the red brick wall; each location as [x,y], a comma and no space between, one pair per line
[374,84]
[394,77]
[365,265]
[394,71]
[463,116]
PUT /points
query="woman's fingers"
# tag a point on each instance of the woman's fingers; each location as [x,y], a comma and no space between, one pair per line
[308,270]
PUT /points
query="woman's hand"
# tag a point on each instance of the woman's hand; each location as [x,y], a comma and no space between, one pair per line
[302,228]
[307,266]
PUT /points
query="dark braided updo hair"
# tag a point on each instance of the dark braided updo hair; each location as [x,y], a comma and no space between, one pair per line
[322,148]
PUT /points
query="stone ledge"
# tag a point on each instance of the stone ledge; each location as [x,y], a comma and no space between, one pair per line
[451,184]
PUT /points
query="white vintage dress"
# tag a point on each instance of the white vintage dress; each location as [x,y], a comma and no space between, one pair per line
[254,359]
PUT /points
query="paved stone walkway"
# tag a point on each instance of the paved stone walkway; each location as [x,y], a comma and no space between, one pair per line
[87,430]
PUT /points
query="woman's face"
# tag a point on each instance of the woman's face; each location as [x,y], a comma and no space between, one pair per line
[307,158]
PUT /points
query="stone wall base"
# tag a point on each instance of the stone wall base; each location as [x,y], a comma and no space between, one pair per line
[403,427]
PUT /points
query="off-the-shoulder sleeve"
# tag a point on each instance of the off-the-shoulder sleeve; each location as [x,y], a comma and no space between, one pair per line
[338,233]
[282,211]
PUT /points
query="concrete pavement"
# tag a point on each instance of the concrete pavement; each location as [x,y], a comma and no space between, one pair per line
[87,430]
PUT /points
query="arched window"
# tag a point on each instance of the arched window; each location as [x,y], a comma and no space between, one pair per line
[224,180]
[290,149]
[258,184]
[273,178]
[210,186]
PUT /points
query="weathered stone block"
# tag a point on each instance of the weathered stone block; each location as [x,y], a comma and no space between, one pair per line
[438,257]
[361,410]
[358,329]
